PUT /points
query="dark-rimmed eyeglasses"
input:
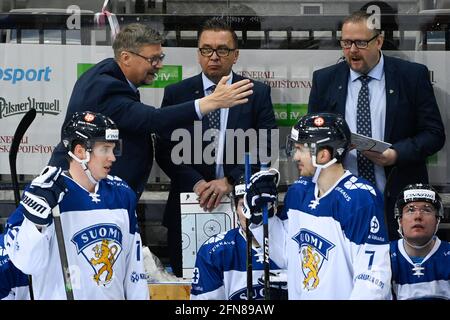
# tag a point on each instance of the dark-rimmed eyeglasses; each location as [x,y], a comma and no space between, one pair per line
[360,44]
[221,52]
[152,60]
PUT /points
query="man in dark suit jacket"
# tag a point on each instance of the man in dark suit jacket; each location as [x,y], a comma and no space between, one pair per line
[110,88]
[403,107]
[217,54]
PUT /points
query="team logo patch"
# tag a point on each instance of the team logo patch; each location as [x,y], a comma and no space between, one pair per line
[318,121]
[314,249]
[374,225]
[100,245]
[89,117]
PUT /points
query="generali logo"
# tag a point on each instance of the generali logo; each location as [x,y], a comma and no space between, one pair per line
[8,108]
[276,81]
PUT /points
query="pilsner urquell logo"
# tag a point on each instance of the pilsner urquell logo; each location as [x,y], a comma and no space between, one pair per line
[8,108]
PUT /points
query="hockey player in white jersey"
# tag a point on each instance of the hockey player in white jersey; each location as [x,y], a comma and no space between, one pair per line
[220,266]
[102,240]
[420,260]
[331,234]
[13,282]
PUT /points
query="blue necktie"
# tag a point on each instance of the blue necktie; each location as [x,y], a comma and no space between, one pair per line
[364,126]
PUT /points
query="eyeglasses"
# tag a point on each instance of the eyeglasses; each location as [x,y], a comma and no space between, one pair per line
[221,52]
[425,210]
[152,60]
[360,44]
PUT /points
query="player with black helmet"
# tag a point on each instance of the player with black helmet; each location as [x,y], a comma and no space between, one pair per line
[87,128]
[330,235]
[221,264]
[420,260]
[326,130]
[97,211]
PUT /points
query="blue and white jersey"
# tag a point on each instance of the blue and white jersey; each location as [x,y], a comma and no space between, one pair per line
[102,240]
[334,246]
[220,271]
[13,282]
[429,279]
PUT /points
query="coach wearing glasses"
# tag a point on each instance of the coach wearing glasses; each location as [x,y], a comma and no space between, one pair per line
[386,98]
[110,87]
[218,52]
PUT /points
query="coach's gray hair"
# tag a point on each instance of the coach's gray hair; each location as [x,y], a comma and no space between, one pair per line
[133,37]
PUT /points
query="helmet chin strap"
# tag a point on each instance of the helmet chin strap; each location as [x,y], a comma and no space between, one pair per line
[320,167]
[400,231]
[83,163]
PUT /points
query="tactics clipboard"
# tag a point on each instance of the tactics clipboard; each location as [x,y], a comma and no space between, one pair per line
[198,225]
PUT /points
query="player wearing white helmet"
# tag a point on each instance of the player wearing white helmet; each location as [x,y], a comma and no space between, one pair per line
[102,241]
[420,260]
[330,234]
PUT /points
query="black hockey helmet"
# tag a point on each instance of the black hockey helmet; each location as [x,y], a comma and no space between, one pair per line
[238,189]
[418,192]
[89,127]
[320,130]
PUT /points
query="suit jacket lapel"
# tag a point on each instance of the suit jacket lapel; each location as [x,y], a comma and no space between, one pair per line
[392,91]
[196,91]
[340,89]
[197,87]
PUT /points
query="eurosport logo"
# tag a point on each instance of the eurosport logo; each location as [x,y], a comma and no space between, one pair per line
[18,74]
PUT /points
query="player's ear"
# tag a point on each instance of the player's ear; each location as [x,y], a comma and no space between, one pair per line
[80,151]
[324,155]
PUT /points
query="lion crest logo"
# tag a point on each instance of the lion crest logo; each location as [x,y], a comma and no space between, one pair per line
[104,256]
[101,245]
[310,265]
[314,250]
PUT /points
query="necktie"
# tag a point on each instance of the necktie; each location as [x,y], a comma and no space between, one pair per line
[214,116]
[138,95]
[214,121]
[364,126]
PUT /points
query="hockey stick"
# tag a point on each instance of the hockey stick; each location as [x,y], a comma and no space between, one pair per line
[248,234]
[265,215]
[62,252]
[18,135]
[24,124]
